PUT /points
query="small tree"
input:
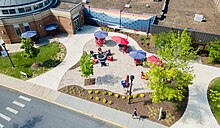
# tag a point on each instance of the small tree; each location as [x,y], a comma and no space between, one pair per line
[168,83]
[175,47]
[214,51]
[29,50]
[86,65]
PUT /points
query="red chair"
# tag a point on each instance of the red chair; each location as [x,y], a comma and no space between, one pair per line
[98,43]
[110,58]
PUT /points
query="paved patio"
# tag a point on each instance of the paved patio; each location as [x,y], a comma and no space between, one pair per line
[109,77]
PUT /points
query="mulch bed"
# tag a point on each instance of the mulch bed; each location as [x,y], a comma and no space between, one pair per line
[145,108]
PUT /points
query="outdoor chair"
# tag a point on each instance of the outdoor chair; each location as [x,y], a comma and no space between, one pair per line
[110,58]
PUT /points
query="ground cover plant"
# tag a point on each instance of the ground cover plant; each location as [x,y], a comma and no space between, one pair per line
[49,56]
[145,108]
[214,98]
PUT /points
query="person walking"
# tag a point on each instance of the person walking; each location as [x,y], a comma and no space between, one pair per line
[134,113]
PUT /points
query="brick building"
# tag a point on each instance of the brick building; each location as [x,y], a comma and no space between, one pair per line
[18,16]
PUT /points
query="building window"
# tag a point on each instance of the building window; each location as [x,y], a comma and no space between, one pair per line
[12,11]
[21,10]
[41,5]
[28,9]
[17,29]
[36,7]
[46,2]
[5,12]
[26,26]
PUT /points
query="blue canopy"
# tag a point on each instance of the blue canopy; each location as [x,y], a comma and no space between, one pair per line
[138,54]
[51,27]
[101,34]
[28,34]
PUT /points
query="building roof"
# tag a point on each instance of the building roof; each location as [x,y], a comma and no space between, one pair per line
[10,3]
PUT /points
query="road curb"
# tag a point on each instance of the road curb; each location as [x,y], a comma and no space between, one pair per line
[81,112]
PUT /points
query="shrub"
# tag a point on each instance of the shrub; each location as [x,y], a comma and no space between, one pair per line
[73,87]
[104,93]
[123,97]
[90,91]
[110,93]
[104,100]
[142,95]
[214,52]
[90,97]
[129,97]
[214,95]
[135,96]
[82,89]
[97,98]
[117,95]
[110,102]
[97,92]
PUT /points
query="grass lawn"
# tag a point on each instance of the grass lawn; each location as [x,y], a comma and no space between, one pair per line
[215,85]
[48,57]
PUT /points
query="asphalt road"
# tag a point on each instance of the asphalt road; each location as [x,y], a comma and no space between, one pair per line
[18,110]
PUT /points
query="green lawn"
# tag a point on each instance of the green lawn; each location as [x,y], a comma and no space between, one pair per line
[47,57]
[215,85]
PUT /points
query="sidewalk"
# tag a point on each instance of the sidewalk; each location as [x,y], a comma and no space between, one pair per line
[198,113]
[110,115]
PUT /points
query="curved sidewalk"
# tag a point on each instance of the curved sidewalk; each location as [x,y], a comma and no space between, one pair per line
[74,45]
[198,113]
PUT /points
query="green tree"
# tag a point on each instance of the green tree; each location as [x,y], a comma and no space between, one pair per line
[214,51]
[29,50]
[168,83]
[86,65]
[175,47]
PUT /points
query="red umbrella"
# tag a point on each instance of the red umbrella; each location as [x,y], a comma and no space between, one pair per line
[154,59]
[120,40]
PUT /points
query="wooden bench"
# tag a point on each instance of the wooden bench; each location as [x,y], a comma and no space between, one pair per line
[24,74]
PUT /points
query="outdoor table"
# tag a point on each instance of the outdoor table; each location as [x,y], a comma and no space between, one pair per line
[102,56]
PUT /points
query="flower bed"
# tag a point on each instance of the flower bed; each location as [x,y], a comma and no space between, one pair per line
[145,108]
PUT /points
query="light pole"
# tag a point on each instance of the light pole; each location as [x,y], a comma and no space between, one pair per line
[3,44]
[131,78]
[120,17]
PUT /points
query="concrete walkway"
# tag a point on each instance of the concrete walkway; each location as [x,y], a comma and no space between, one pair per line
[198,113]
[74,45]
[110,115]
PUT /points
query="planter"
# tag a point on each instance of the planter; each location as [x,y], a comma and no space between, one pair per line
[90,81]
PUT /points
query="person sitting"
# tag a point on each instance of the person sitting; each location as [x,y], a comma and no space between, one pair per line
[143,76]
[124,49]
[93,54]
[95,61]
[137,62]
[99,50]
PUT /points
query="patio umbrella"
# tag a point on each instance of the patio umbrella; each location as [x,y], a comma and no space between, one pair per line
[101,34]
[120,40]
[154,59]
[51,27]
[138,54]
[28,34]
